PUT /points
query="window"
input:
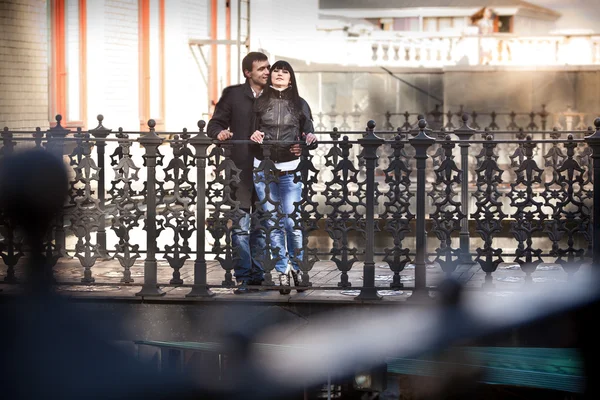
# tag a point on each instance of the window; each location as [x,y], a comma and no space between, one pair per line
[505,23]
[68,85]
[152,62]
[410,24]
[386,24]
[444,24]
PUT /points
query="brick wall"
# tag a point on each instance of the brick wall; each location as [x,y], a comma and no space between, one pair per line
[23,64]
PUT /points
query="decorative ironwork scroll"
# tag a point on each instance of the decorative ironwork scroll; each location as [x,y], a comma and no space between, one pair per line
[86,213]
[447,212]
[488,214]
[342,194]
[126,205]
[397,215]
[529,216]
[219,195]
[563,195]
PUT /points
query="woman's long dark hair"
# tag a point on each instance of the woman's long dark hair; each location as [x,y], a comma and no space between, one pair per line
[284,65]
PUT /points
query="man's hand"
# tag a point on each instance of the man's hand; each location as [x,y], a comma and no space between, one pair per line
[224,135]
[257,136]
[296,149]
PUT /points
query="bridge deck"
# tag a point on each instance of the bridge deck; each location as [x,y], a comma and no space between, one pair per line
[324,276]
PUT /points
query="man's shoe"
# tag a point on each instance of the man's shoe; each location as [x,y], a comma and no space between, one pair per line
[256,281]
[284,280]
[296,276]
[244,289]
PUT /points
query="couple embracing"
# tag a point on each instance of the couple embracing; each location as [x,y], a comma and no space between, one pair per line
[267,107]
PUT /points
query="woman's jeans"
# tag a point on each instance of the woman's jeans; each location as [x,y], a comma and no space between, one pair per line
[286,192]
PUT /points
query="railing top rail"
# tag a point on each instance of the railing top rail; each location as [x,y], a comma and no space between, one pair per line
[336,133]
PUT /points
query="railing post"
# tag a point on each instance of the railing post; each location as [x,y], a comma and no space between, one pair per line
[150,141]
[370,143]
[56,145]
[100,132]
[464,133]
[594,142]
[200,143]
[421,143]
[11,257]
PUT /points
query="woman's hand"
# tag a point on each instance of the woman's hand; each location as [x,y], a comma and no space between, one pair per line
[257,137]
[310,138]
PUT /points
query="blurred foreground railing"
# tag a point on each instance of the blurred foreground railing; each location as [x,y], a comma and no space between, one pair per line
[406,199]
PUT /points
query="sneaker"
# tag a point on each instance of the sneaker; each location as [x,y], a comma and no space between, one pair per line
[296,276]
[284,280]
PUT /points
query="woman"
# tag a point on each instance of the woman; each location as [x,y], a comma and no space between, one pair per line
[486,27]
[281,117]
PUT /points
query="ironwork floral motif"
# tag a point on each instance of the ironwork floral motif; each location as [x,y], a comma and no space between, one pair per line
[488,214]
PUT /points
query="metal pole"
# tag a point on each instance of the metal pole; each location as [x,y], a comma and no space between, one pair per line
[421,143]
[151,141]
[100,132]
[200,143]
[370,143]
[465,133]
[56,143]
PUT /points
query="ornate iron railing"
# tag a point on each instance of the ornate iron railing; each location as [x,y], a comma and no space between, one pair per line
[406,199]
[538,119]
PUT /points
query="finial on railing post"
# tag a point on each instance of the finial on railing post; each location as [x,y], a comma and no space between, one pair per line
[201,142]
[335,135]
[370,143]
[593,141]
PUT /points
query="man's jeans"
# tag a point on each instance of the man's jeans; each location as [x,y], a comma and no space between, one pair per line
[249,243]
[286,192]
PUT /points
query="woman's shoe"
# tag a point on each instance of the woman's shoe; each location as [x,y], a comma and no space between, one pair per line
[284,280]
[296,275]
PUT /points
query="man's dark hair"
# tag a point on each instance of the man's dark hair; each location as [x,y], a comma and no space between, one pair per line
[249,60]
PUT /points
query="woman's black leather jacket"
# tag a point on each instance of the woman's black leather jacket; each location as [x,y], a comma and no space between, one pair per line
[280,120]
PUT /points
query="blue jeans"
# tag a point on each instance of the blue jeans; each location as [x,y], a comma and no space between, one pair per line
[285,240]
[248,243]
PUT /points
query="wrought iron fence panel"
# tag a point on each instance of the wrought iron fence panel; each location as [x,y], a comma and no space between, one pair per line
[447,215]
[225,213]
[488,213]
[85,211]
[566,196]
[397,214]
[344,196]
[126,205]
[306,214]
[175,213]
[528,215]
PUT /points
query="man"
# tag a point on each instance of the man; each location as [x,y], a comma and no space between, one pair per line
[232,119]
